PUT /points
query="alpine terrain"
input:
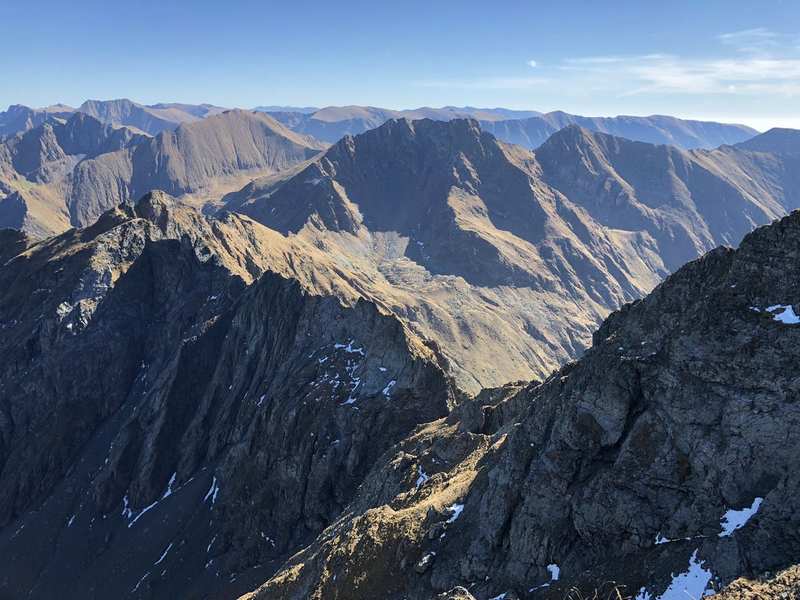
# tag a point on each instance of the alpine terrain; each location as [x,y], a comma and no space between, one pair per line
[421,362]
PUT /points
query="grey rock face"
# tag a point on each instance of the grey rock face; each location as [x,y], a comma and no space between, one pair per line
[164,426]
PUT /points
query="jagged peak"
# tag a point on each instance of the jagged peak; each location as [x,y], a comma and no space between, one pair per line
[459,132]
[155,205]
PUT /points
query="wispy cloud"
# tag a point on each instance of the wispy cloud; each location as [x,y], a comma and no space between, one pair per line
[762,66]
[758,41]
[750,36]
[753,62]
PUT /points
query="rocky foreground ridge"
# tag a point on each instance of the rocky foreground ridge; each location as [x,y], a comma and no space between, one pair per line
[663,460]
[174,414]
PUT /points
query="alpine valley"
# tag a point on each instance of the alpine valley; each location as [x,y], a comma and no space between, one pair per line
[349,352]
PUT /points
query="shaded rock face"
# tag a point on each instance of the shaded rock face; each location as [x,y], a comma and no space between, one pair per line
[689,202]
[172,416]
[670,447]
[68,173]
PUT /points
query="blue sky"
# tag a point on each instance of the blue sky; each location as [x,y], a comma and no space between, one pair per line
[727,61]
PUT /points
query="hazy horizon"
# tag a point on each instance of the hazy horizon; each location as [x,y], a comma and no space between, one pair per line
[731,62]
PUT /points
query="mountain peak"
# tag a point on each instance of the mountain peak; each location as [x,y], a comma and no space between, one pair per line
[778,140]
[154,204]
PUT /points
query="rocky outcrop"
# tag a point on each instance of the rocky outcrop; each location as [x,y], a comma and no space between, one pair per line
[663,460]
[174,415]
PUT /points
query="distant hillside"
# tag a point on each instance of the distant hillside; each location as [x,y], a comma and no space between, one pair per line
[20,118]
[688,135]
[776,141]
[331,123]
[65,174]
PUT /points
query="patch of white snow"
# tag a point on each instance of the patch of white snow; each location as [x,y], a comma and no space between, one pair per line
[457,509]
[735,519]
[163,556]
[787,314]
[691,584]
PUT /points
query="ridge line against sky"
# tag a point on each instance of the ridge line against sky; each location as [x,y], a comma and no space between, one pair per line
[734,61]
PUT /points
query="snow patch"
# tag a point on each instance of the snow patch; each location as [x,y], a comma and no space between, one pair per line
[691,584]
[422,476]
[388,388]
[349,348]
[555,572]
[787,314]
[127,513]
[736,519]
[140,582]
[139,516]
[457,510]
[169,486]
[163,556]
[212,492]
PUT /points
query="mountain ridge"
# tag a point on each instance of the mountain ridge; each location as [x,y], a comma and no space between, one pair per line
[331,123]
[199,161]
[589,218]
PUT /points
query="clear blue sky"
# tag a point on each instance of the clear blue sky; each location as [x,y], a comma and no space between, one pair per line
[723,60]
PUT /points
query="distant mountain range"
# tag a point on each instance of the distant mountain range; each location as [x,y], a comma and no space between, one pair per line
[330,124]
[20,118]
[484,247]
[528,129]
[432,220]
[64,174]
